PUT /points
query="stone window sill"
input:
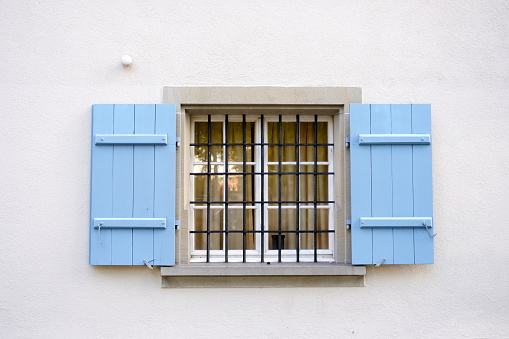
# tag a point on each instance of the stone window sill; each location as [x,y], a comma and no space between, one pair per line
[263,275]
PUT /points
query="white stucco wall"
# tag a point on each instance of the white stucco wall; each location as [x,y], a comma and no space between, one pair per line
[57,58]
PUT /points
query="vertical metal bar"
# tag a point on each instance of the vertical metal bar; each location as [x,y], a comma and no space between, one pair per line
[280,169]
[252,181]
[244,169]
[262,193]
[315,228]
[209,140]
[297,187]
[226,187]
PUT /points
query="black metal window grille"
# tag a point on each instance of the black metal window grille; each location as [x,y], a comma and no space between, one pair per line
[217,171]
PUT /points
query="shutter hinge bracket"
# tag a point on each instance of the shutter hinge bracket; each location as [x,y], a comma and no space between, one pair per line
[147,263]
[177,224]
[348,224]
[177,143]
[347,142]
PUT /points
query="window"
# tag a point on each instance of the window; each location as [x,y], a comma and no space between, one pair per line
[262,188]
[260,175]
[261,106]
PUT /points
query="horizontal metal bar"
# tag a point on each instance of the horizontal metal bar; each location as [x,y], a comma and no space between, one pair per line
[264,173]
[261,201]
[255,144]
[302,207]
[203,207]
[265,231]
[130,222]
[233,207]
[131,139]
[369,222]
[394,139]
[270,163]
[293,163]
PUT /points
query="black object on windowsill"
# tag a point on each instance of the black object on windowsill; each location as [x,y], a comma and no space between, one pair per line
[278,242]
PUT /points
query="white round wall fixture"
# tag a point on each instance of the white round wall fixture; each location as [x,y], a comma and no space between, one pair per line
[127,60]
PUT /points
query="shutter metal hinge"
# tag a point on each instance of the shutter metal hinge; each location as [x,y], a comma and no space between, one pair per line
[147,263]
[428,228]
[347,142]
[348,224]
[178,142]
[177,224]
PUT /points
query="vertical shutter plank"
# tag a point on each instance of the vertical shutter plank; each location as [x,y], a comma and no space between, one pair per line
[402,185]
[422,182]
[101,185]
[164,201]
[123,123]
[143,239]
[360,175]
[381,166]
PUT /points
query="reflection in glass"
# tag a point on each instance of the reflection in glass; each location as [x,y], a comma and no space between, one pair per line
[235,223]
[201,135]
[200,224]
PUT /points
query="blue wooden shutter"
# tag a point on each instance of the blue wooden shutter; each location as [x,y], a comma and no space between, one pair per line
[391,187]
[132,198]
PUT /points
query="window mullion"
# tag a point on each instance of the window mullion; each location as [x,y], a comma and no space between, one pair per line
[226,187]
[315,193]
[280,169]
[262,187]
[244,196]
[297,187]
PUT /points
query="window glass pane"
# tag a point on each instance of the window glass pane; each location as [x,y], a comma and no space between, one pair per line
[284,168]
[235,168]
[288,187]
[201,136]
[216,187]
[235,223]
[236,186]
[200,224]
[200,187]
[322,182]
[322,132]
[307,188]
[307,185]
[289,168]
[321,154]
[288,222]
[287,137]
[216,241]
[200,169]
[307,136]
[235,136]
[307,221]
[216,152]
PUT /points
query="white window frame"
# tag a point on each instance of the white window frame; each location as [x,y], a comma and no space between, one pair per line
[287,255]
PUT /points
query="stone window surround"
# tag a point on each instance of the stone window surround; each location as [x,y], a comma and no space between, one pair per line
[251,100]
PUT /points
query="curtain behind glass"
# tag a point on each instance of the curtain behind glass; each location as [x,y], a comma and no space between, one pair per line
[306,184]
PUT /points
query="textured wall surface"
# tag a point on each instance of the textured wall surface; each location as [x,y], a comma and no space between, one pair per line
[57,58]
